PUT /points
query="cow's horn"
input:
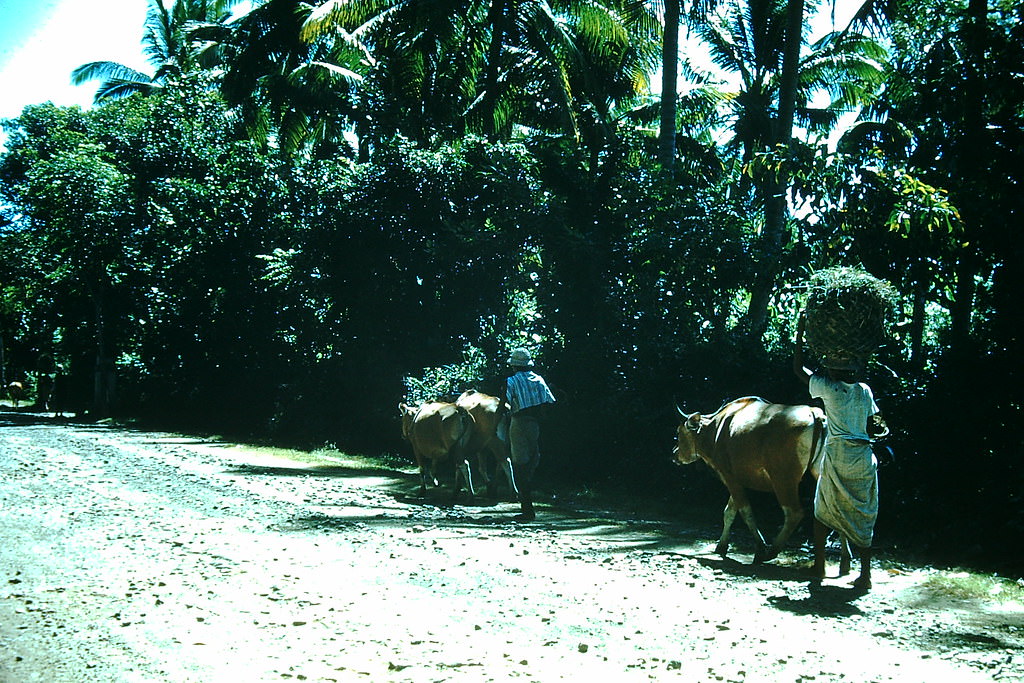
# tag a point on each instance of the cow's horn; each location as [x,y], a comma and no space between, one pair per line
[680,411]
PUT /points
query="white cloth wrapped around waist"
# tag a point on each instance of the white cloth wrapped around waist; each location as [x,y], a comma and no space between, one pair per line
[846,498]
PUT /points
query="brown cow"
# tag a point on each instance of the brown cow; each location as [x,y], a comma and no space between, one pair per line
[490,438]
[438,431]
[753,444]
[16,391]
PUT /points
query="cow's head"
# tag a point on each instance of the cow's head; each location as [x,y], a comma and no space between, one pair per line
[685,451]
[407,413]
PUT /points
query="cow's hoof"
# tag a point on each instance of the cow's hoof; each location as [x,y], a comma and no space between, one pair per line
[862,583]
[765,555]
[722,549]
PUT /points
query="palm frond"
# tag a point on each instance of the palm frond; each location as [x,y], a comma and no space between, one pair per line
[116,88]
[107,71]
[890,136]
[158,33]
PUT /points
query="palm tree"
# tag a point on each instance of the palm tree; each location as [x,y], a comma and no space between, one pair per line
[166,44]
[489,66]
[761,42]
[289,91]
[698,14]
[421,63]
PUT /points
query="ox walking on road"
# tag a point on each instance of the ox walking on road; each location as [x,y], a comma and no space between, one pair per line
[490,438]
[753,444]
[16,391]
[439,431]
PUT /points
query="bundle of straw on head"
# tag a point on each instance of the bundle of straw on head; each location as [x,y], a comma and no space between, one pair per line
[848,311]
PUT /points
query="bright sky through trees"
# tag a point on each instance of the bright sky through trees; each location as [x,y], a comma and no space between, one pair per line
[42,41]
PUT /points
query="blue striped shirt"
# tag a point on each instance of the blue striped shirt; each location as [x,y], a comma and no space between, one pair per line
[527,389]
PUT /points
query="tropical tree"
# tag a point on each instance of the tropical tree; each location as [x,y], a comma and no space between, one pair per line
[290,91]
[490,67]
[76,206]
[167,45]
[673,13]
[954,89]
[760,42]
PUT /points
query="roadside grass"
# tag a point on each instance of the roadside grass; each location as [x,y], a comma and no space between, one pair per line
[965,585]
[332,457]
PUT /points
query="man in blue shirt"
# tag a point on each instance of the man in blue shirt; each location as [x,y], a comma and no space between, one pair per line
[527,393]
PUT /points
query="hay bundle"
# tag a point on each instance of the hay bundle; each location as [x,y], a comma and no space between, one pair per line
[848,311]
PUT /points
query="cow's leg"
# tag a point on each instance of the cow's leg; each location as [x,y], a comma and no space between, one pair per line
[457,486]
[463,473]
[793,512]
[792,519]
[481,467]
[506,467]
[421,462]
[747,513]
[728,517]
[483,461]
[761,553]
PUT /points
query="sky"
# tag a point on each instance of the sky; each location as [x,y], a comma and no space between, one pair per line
[42,41]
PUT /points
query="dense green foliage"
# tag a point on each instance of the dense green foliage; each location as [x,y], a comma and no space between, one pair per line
[313,213]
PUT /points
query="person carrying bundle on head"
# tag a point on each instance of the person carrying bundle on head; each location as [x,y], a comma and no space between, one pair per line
[846,496]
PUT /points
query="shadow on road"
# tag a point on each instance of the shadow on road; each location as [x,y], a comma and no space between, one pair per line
[822,601]
[767,571]
[10,417]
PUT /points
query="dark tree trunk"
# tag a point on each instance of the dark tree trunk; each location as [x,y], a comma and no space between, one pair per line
[669,77]
[972,158]
[774,237]
[497,17]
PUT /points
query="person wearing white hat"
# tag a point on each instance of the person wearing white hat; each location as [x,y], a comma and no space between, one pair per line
[527,393]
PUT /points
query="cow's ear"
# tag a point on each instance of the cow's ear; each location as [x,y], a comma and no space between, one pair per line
[693,422]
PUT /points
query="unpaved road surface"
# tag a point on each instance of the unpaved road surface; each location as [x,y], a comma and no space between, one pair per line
[131,556]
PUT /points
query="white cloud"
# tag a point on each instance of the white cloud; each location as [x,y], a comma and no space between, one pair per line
[77,33]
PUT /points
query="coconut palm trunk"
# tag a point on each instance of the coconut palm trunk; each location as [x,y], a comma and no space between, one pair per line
[669,78]
[776,213]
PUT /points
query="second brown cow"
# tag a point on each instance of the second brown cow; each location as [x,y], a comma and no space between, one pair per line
[490,438]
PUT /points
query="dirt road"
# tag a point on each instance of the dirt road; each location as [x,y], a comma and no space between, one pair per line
[131,556]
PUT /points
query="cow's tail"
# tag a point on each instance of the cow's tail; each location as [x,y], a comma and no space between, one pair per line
[466,423]
[461,450]
[817,442]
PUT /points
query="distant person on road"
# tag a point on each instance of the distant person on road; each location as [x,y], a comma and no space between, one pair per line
[846,497]
[527,393]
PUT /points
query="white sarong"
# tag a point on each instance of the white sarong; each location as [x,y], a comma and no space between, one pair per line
[846,498]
